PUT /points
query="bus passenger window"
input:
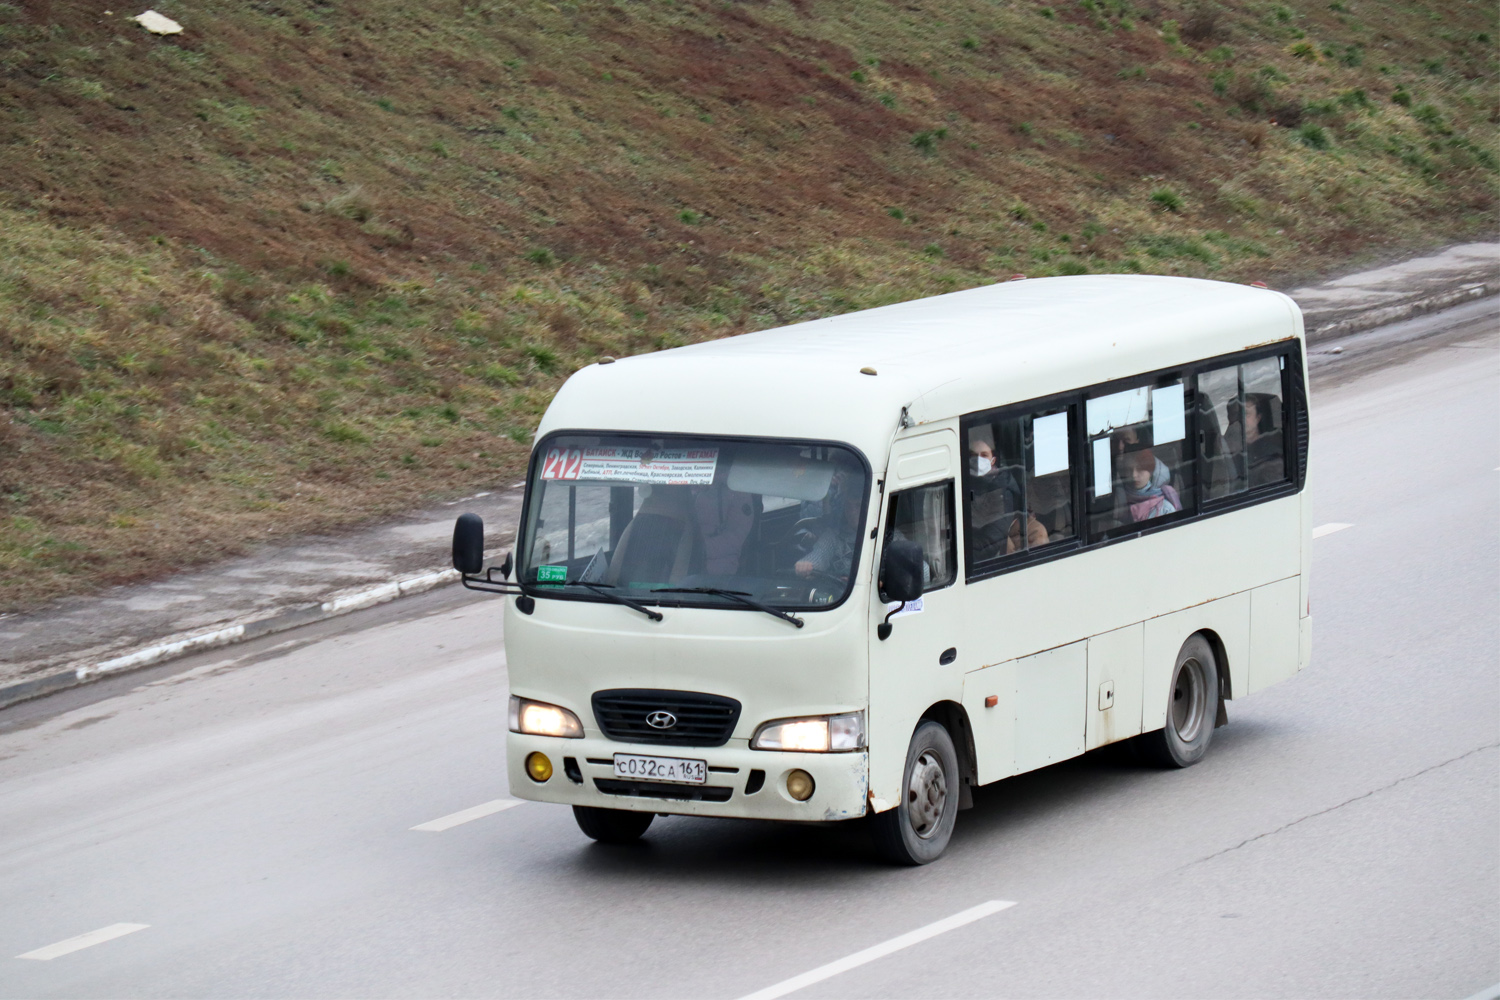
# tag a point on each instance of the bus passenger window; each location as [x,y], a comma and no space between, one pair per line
[1141,468]
[1240,426]
[1017,483]
[925,515]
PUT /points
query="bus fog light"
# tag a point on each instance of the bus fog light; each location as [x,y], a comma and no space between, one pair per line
[539,768]
[800,785]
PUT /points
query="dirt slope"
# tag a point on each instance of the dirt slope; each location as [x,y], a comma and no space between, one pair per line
[313,260]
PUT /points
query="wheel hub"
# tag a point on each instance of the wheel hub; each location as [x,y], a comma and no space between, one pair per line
[926,794]
[1189,700]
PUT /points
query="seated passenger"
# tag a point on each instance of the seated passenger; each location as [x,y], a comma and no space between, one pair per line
[1263,450]
[1148,486]
[996,500]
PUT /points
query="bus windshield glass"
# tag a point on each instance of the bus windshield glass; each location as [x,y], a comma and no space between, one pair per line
[670,520]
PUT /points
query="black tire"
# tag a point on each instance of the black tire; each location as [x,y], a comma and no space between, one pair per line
[1192,709]
[917,831]
[612,826]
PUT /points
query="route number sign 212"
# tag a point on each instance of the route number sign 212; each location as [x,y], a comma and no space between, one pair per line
[562,463]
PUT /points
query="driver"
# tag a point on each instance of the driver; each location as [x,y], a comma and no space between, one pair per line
[833,551]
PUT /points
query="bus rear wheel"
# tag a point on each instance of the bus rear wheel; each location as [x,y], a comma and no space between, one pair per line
[1192,708]
[917,831]
[612,826]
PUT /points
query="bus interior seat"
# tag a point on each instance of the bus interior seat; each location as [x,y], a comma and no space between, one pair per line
[1215,449]
[1051,502]
[659,544]
[752,551]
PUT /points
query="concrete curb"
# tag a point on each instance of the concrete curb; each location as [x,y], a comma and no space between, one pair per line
[175,646]
[1368,319]
[182,644]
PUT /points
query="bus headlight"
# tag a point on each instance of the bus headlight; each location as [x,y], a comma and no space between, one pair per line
[817,734]
[537,718]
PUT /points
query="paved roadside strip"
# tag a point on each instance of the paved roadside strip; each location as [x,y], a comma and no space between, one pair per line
[1389,294]
[278,587]
[301,581]
[174,646]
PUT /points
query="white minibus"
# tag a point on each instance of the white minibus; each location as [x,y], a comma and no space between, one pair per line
[857,566]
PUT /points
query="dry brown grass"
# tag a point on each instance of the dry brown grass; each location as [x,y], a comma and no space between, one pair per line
[313,262]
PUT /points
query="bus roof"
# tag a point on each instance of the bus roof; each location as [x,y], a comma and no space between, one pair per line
[939,357]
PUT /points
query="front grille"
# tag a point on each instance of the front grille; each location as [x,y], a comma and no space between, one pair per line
[652,790]
[703,720]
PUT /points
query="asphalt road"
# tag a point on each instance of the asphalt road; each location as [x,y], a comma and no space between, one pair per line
[253,808]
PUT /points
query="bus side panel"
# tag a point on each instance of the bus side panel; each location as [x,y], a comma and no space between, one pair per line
[994,725]
[1134,580]
[1229,617]
[1049,691]
[1275,632]
[1112,701]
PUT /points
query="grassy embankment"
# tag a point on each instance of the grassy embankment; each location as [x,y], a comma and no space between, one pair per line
[314,261]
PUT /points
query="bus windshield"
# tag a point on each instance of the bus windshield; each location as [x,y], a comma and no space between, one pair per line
[693,521]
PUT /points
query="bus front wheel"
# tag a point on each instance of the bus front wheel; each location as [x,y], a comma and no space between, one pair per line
[612,826]
[1192,707]
[917,831]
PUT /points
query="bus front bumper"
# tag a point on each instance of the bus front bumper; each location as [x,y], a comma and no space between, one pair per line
[583,775]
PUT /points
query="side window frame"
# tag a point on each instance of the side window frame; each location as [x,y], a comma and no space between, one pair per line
[1073,402]
[1294,420]
[887,527]
[1187,375]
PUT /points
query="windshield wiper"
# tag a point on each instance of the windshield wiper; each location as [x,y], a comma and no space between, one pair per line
[738,595]
[600,589]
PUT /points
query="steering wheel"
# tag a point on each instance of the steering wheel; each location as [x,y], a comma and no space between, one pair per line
[804,525]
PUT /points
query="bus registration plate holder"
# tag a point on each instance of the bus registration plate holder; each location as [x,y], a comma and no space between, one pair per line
[675,769]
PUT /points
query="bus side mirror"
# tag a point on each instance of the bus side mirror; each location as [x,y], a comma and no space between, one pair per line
[901,570]
[900,578]
[468,544]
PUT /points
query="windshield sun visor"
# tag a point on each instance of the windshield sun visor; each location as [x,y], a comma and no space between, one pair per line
[770,473]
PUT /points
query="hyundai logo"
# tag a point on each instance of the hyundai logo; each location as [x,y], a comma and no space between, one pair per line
[661,720]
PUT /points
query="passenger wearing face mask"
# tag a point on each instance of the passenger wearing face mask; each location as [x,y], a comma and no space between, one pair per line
[996,502]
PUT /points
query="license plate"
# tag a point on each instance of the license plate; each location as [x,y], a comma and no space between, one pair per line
[691,772]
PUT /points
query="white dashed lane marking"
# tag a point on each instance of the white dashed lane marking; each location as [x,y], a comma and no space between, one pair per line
[82,941]
[881,950]
[451,820]
[1329,528]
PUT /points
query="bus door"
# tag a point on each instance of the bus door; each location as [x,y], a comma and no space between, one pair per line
[919,662]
